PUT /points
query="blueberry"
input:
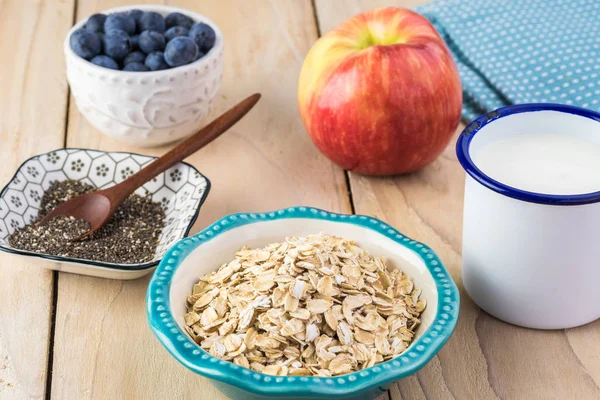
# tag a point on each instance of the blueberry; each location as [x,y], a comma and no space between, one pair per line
[151,41]
[156,61]
[95,23]
[175,31]
[85,44]
[117,44]
[203,35]
[178,19]
[136,67]
[135,40]
[199,55]
[134,56]
[135,13]
[181,51]
[121,21]
[101,38]
[151,21]
[105,61]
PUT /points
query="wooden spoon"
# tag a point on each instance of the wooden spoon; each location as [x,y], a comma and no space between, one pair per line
[97,207]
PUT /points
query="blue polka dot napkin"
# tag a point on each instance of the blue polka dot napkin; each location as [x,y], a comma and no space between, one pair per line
[522,51]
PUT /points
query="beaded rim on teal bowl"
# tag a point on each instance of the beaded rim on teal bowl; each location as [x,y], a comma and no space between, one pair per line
[187,352]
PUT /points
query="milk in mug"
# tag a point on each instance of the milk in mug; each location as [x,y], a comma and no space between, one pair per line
[543,163]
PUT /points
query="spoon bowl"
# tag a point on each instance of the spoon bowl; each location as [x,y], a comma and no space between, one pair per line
[94,207]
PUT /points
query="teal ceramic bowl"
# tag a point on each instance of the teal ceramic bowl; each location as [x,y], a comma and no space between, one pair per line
[204,252]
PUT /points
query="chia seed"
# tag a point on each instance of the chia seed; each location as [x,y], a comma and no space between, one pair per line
[129,237]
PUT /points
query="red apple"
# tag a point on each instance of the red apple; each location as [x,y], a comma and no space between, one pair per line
[380,94]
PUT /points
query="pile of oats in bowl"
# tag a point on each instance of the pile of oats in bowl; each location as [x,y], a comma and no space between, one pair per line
[316,305]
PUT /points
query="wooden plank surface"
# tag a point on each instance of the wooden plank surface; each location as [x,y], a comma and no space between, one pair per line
[104,348]
[33,100]
[485,358]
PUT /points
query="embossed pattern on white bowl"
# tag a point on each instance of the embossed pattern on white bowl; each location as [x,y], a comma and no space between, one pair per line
[146,108]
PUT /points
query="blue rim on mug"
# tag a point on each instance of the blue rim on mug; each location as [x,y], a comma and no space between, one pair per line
[188,353]
[464,157]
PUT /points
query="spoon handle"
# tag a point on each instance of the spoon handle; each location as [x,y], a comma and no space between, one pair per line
[189,146]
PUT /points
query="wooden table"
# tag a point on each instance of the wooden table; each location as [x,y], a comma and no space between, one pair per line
[69,337]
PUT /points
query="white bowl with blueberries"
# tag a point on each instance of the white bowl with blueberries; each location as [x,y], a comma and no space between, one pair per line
[145,75]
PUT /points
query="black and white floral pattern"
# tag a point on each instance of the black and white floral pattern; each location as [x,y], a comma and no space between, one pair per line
[52,157]
[35,195]
[32,171]
[16,201]
[175,175]
[77,165]
[101,170]
[180,189]
[126,173]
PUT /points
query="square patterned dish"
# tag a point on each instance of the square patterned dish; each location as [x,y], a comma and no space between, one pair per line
[181,190]
[204,252]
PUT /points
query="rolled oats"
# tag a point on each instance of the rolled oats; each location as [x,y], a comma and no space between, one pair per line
[316,305]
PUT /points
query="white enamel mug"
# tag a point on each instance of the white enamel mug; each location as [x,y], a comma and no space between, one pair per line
[530,259]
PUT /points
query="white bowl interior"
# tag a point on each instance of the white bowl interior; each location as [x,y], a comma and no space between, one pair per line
[210,255]
[180,189]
